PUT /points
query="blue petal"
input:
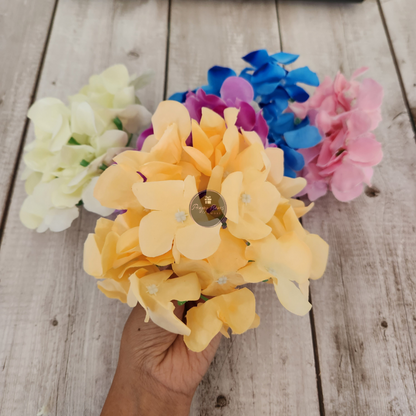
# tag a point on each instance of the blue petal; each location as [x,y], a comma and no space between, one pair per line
[246,73]
[297,93]
[293,159]
[284,58]
[283,124]
[257,58]
[303,75]
[179,96]
[303,138]
[266,78]
[288,171]
[217,75]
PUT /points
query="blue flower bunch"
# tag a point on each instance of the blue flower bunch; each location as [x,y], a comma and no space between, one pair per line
[274,88]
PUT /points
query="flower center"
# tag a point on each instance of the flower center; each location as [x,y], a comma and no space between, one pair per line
[152,289]
[222,280]
[246,198]
[180,216]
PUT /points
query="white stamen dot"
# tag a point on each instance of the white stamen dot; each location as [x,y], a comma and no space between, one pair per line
[152,289]
[246,198]
[180,216]
[222,280]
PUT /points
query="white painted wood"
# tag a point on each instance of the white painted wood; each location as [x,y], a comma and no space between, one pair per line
[23,33]
[270,370]
[59,335]
[400,16]
[364,307]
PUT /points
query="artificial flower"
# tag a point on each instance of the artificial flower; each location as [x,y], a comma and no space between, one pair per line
[274,88]
[75,144]
[156,251]
[346,113]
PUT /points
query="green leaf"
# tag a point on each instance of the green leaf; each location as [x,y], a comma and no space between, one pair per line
[128,143]
[298,121]
[251,261]
[204,298]
[182,302]
[266,280]
[73,141]
[80,203]
[118,123]
[103,167]
[247,243]
[84,163]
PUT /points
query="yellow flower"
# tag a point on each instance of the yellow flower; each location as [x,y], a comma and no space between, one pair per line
[218,273]
[288,255]
[234,310]
[169,220]
[155,292]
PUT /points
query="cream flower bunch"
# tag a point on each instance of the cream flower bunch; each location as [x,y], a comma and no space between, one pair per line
[157,251]
[74,144]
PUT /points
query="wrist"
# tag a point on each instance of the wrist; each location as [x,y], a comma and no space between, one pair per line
[145,397]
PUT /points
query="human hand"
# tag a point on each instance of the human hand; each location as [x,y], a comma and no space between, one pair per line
[156,373]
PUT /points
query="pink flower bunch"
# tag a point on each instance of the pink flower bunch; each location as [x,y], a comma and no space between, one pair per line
[346,113]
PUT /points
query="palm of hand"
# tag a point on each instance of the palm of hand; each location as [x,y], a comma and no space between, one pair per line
[160,358]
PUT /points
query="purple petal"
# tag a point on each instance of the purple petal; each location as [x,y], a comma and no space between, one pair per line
[145,134]
[246,117]
[235,88]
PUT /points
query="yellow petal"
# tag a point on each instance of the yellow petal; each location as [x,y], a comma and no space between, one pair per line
[236,310]
[252,274]
[215,180]
[224,284]
[292,223]
[230,255]
[231,190]
[113,289]
[129,241]
[249,227]
[200,140]
[168,113]
[230,116]
[201,162]
[109,254]
[275,156]
[92,257]
[291,297]
[200,267]
[156,232]
[114,188]
[196,242]
[320,250]
[155,195]
[182,288]
[211,123]
[289,187]
[168,148]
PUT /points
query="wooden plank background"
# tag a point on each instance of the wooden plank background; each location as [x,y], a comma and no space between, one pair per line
[355,354]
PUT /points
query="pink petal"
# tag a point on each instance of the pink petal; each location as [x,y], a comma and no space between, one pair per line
[235,88]
[349,195]
[347,177]
[358,123]
[370,95]
[365,150]
[358,72]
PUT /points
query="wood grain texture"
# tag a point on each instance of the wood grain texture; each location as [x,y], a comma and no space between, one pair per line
[400,16]
[270,370]
[60,335]
[24,27]
[364,307]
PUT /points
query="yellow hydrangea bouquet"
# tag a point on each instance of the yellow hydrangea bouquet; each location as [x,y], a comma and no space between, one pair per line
[75,144]
[205,209]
